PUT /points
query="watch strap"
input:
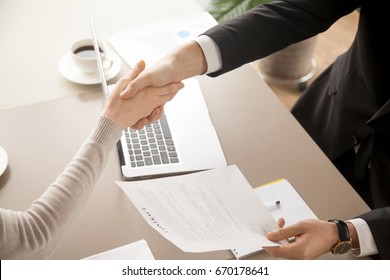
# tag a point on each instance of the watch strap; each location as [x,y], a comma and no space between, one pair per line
[342,228]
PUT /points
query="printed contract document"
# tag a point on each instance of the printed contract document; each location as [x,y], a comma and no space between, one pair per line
[205,211]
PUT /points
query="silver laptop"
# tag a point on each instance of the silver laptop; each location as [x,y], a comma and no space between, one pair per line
[183,140]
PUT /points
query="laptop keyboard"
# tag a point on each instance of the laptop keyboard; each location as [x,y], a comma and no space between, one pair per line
[152,145]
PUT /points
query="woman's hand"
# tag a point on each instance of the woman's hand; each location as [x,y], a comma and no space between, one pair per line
[145,105]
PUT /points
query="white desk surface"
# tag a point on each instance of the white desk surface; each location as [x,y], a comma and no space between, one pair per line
[257,133]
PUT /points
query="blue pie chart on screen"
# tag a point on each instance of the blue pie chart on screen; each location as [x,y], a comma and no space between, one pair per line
[183,33]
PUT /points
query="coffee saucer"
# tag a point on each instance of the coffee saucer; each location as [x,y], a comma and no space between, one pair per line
[72,73]
[3,160]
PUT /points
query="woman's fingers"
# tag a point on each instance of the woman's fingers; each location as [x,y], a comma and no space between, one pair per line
[134,72]
[154,116]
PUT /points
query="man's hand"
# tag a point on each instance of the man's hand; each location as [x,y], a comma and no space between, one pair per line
[311,239]
[141,108]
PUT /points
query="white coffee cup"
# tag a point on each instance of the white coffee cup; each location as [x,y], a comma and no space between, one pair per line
[83,56]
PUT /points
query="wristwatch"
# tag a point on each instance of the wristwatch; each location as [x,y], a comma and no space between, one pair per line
[344,244]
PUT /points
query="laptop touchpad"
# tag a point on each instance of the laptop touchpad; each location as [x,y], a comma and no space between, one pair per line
[188,110]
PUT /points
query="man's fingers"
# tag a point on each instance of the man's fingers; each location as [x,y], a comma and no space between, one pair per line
[142,83]
[284,251]
[284,233]
[170,89]
[168,93]
[281,222]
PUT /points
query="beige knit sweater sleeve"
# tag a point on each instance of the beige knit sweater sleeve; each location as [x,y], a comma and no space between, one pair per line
[36,232]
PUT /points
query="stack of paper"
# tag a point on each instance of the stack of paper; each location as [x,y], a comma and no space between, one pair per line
[216,210]
[204,211]
[290,206]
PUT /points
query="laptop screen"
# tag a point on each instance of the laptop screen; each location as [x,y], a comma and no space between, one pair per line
[98,58]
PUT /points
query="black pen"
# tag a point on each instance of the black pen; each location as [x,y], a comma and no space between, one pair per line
[272,205]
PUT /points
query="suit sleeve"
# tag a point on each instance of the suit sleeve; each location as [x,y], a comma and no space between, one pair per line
[271,27]
[379,222]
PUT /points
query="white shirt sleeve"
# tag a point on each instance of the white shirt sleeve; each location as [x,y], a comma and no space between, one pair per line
[211,52]
[366,240]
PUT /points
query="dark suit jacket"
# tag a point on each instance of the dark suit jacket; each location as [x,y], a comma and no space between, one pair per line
[349,103]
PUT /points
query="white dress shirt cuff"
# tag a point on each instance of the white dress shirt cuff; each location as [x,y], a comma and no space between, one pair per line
[211,52]
[366,240]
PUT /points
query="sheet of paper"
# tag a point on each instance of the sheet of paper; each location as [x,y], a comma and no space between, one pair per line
[138,250]
[292,208]
[204,211]
[151,42]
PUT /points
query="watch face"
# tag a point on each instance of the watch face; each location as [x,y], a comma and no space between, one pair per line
[342,247]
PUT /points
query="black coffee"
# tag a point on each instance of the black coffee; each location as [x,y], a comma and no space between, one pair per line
[86,51]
